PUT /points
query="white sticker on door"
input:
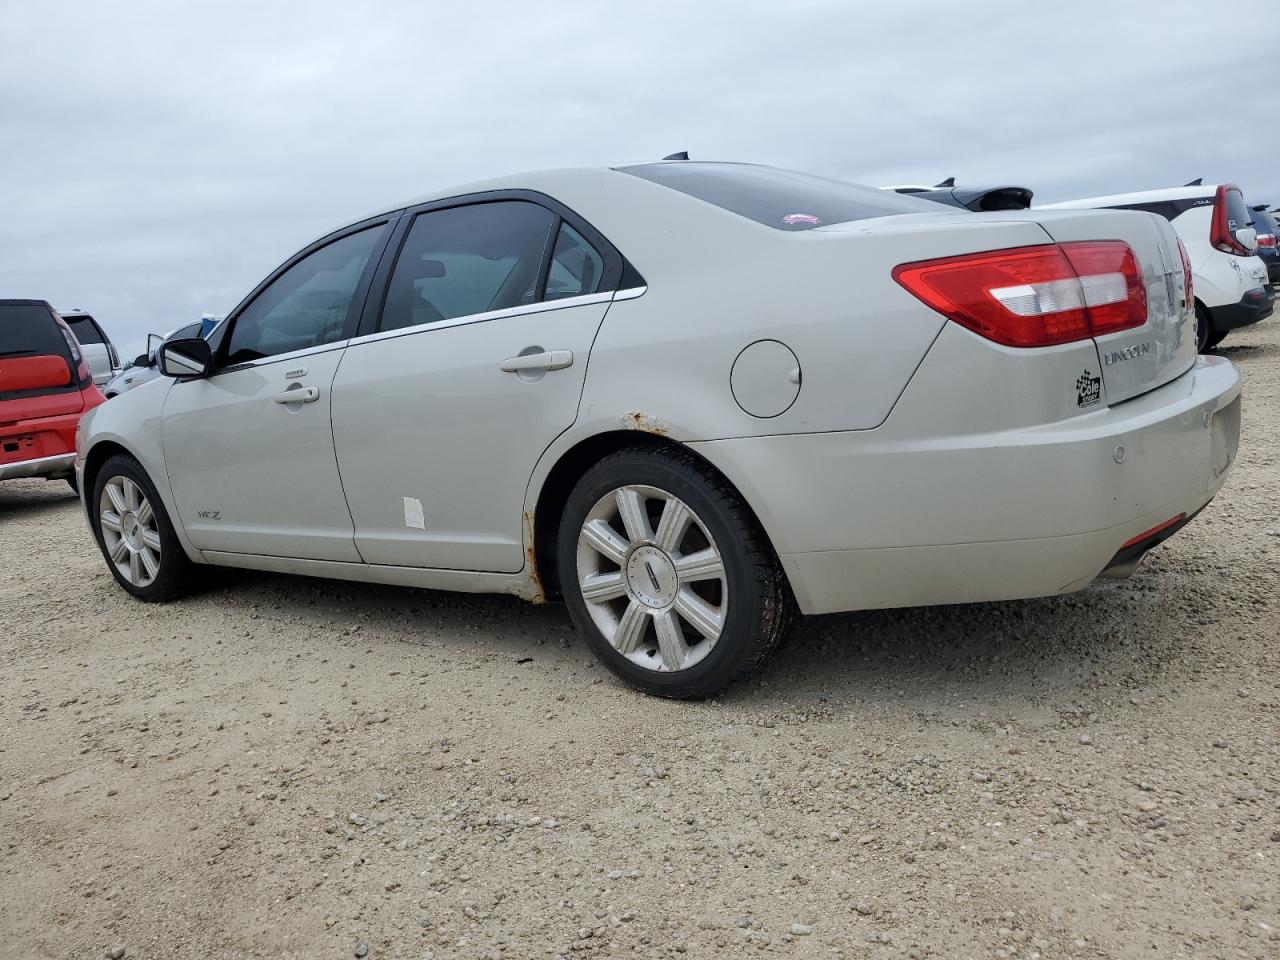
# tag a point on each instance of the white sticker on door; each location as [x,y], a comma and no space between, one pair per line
[413,516]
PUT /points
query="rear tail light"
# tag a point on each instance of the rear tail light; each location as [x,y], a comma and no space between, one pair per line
[1035,296]
[1266,240]
[115,357]
[1221,236]
[1188,294]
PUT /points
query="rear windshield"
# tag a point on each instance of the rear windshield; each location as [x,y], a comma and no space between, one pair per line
[28,330]
[781,199]
[85,329]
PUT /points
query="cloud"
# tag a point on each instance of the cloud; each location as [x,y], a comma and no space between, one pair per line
[157,160]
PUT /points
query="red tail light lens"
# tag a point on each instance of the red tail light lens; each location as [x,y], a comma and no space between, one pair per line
[1035,296]
[1266,240]
[1221,236]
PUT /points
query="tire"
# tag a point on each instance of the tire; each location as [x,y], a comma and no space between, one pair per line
[681,608]
[1207,335]
[142,530]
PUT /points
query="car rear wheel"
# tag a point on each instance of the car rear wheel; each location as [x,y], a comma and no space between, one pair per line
[135,533]
[668,576]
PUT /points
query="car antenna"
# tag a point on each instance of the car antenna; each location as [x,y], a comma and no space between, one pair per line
[682,155]
[949,182]
[1195,183]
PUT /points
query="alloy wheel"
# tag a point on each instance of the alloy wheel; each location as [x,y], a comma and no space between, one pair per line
[129,531]
[652,578]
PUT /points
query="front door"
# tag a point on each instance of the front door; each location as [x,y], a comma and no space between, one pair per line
[440,417]
[249,449]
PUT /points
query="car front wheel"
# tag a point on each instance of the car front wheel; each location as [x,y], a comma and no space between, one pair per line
[668,575]
[135,533]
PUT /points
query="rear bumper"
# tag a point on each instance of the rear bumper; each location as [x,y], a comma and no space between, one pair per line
[1255,305]
[862,522]
[55,467]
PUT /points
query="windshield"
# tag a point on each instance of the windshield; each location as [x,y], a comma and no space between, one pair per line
[782,199]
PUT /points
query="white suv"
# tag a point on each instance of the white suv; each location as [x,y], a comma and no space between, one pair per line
[1213,223]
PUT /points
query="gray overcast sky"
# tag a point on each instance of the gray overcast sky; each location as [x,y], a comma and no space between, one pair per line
[158,159]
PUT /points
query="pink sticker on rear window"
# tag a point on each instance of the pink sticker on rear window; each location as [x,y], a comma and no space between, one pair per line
[794,218]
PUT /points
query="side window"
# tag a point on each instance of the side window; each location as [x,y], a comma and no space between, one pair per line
[307,305]
[576,266]
[466,260]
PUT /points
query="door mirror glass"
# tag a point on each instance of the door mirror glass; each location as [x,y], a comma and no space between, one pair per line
[185,359]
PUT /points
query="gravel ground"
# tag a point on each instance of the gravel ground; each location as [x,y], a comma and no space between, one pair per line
[283,767]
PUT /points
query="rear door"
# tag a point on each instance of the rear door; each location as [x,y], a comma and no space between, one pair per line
[29,336]
[1142,358]
[476,365]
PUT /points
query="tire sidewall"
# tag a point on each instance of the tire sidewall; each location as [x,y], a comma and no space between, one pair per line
[745,599]
[171,555]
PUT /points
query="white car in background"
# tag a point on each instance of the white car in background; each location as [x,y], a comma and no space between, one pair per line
[1231,285]
[690,398]
[95,345]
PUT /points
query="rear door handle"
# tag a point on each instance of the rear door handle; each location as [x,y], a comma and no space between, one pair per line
[305,395]
[547,360]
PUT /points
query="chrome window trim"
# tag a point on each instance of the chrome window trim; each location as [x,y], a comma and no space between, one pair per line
[544,306]
[631,293]
[276,357]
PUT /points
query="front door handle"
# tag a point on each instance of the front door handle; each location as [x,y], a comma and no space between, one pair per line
[547,360]
[304,395]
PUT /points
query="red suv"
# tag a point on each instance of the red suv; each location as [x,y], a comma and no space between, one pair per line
[45,386]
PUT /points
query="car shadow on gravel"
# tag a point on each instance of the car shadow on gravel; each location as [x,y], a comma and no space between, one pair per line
[26,498]
[1017,657]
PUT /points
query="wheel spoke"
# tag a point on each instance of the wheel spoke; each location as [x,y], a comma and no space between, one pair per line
[116,496]
[599,587]
[110,520]
[151,561]
[630,628]
[671,527]
[670,640]
[602,538]
[119,550]
[634,519]
[130,493]
[703,565]
[701,615]
[144,512]
[151,540]
[135,568]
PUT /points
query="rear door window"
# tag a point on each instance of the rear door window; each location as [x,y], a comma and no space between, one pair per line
[781,199]
[85,329]
[576,266]
[467,260]
[28,330]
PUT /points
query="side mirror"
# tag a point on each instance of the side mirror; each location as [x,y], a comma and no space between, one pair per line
[141,360]
[1247,237]
[185,359]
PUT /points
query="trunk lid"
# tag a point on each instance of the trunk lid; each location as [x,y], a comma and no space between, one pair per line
[1142,358]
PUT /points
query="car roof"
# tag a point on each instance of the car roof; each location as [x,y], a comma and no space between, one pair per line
[24,303]
[1197,192]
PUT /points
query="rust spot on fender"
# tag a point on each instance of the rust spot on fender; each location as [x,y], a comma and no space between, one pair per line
[536,593]
[644,422]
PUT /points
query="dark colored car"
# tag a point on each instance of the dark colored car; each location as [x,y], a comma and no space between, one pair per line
[45,387]
[971,198]
[1268,228]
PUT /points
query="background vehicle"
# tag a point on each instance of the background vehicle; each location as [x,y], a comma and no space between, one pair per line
[1231,285]
[45,386]
[142,368]
[98,350]
[691,398]
[971,198]
[1268,230]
